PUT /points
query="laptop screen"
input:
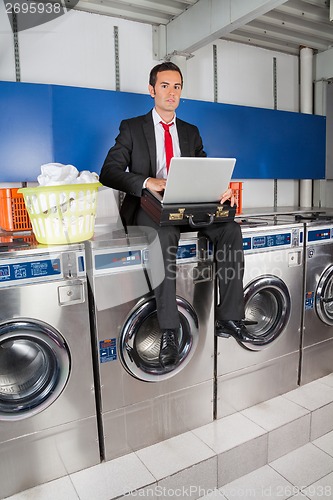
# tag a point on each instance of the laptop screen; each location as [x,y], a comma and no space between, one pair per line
[197,180]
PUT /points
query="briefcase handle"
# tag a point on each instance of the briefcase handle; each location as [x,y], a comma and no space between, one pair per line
[202,223]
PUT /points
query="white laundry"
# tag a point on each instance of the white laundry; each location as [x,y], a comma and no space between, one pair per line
[86,177]
[56,174]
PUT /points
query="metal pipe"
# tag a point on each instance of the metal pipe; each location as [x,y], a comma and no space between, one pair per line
[306,106]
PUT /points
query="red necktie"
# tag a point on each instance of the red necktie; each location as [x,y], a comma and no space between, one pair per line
[168,144]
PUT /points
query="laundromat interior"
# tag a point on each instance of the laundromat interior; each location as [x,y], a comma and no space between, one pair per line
[87,412]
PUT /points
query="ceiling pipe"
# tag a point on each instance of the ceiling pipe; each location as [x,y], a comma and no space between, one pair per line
[306,106]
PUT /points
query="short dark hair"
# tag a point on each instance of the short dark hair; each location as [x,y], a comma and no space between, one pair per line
[164,66]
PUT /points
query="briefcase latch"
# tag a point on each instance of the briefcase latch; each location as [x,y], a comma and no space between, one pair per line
[178,215]
[221,212]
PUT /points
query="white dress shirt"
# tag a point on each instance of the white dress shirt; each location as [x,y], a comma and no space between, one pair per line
[160,148]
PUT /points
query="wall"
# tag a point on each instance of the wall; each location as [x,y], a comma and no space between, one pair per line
[78,49]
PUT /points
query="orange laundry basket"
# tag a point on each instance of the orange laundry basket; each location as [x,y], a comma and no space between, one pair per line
[237,188]
[13,213]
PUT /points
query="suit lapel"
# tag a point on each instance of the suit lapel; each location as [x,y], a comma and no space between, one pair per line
[183,138]
[148,129]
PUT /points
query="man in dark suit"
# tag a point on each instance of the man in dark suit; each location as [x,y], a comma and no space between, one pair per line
[139,160]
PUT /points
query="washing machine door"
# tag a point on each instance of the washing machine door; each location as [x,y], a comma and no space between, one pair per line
[324,297]
[268,306]
[141,337]
[34,367]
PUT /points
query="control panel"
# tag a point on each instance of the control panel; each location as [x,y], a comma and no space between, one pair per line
[106,261]
[38,268]
[272,240]
[122,259]
[319,234]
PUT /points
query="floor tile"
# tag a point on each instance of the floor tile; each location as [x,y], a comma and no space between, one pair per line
[58,489]
[328,380]
[325,443]
[311,396]
[150,492]
[304,466]
[175,454]
[216,494]
[112,479]
[241,460]
[260,484]
[228,432]
[274,413]
[289,437]
[192,483]
[322,489]
[321,421]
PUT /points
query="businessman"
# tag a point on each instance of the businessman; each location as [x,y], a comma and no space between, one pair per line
[140,159]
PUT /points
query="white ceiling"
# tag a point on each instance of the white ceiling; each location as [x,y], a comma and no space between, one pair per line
[287,27]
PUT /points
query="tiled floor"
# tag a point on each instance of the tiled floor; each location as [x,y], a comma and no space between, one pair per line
[279,449]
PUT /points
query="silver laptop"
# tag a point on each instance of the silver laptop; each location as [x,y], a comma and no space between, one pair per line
[196,180]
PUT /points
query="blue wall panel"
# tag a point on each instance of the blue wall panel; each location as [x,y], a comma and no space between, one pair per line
[43,123]
[267,143]
[26,140]
[86,123]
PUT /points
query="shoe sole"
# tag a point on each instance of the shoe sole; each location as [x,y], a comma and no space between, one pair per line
[222,334]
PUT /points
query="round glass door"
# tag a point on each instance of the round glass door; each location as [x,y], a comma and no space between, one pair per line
[324,297]
[267,309]
[34,368]
[140,341]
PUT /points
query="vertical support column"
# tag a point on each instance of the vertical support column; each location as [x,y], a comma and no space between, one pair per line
[121,195]
[116,56]
[215,73]
[275,107]
[306,101]
[16,49]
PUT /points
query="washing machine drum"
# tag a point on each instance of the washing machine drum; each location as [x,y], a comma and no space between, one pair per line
[34,368]
[267,309]
[140,341]
[324,297]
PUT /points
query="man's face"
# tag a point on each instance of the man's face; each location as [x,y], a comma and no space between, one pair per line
[167,91]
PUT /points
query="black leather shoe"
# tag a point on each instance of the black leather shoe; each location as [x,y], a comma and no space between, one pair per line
[169,352]
[236,329]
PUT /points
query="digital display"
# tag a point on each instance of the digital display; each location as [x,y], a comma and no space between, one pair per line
[126,258]
[319,234]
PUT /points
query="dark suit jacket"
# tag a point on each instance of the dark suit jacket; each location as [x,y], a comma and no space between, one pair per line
[135,148]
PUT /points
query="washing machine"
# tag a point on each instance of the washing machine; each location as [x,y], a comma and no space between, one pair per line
[317,335]
[48,418]
[141,402]
[248,374]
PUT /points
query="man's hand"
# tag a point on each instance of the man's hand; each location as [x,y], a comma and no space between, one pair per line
[228,195]
[156,184]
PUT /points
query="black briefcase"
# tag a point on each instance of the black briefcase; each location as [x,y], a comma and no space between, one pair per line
[195,215]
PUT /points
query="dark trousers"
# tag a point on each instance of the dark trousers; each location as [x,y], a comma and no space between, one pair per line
[229,258]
